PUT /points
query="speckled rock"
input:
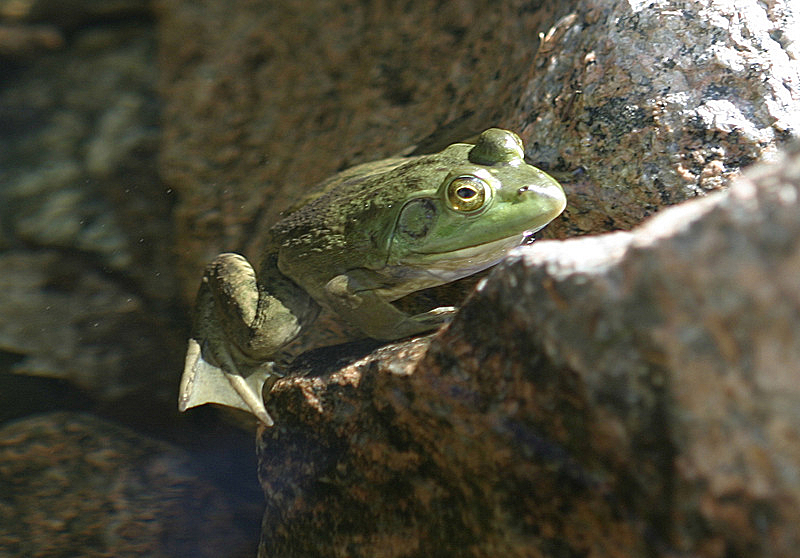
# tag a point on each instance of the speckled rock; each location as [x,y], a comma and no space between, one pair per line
[630,394]
[684,341]
[658,102]
[73,485]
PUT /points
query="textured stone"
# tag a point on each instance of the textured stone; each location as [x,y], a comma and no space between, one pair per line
[73,485]
[630,394]
[683,338]
[657,102]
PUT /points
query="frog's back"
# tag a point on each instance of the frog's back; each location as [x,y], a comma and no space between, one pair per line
[351,209]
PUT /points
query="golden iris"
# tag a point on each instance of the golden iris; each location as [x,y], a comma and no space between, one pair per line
[467,193]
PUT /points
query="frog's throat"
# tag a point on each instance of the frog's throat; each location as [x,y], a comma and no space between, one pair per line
[499,247]
[437,268]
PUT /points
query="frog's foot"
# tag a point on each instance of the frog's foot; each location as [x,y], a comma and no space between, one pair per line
[203,382]
[438,316]
[432,319]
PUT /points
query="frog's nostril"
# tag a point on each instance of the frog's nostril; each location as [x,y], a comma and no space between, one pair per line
[524,189]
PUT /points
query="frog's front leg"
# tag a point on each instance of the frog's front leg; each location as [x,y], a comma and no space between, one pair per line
[240,324]
[362,306]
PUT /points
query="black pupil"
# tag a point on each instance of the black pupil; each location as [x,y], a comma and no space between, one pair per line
[466,193]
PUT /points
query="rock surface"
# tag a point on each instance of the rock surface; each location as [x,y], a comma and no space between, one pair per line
[630,394]
[658,102]
[78,155]
[73,485]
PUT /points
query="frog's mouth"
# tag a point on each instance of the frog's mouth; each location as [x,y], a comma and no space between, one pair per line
[420,270]
[455,264]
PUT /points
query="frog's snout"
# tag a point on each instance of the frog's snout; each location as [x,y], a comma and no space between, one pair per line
[549,197]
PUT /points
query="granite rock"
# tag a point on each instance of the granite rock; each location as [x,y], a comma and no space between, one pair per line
[652,103]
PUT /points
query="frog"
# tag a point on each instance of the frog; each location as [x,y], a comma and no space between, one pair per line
[365,238]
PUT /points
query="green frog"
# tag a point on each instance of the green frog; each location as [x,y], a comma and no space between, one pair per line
[369,236]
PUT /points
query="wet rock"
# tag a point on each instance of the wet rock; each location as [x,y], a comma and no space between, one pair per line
[628,394]
[74,485]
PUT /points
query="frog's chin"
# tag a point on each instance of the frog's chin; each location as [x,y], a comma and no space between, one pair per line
[421,270]
[455,264]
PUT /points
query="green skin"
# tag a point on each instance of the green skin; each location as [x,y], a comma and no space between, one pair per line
[374,233]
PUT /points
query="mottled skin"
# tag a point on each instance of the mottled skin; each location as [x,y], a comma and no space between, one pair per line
[371,235]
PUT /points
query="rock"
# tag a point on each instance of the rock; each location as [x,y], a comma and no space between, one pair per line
[77,155]
[627,394]
[74,485]
[658,102]
[86,229]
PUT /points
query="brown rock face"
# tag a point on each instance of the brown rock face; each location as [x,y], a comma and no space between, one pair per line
[632,394]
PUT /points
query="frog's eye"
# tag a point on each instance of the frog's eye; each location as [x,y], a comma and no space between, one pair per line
[468,193]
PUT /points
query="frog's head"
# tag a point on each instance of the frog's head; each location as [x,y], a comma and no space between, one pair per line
[489,202]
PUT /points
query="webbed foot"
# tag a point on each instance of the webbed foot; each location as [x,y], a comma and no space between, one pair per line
[203,382]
